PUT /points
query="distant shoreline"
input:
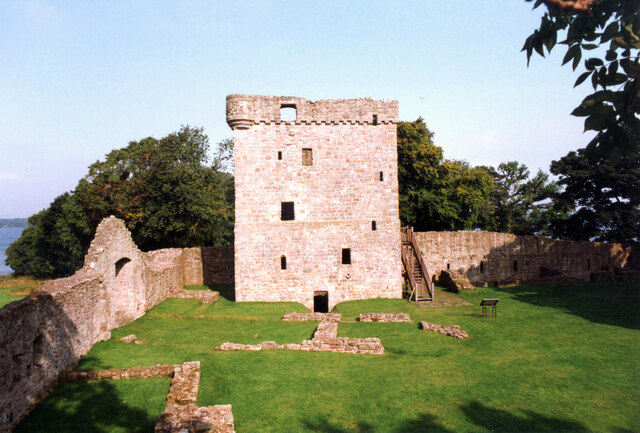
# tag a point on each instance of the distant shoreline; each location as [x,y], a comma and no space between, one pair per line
[13,223]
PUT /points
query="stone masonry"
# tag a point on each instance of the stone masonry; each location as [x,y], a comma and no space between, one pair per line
[502,258]
[325,339]
[316,209]
[44,335]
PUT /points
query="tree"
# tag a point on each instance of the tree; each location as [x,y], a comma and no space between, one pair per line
[164,190]
[601,192]
[519,204]
[602,196]
[436,194]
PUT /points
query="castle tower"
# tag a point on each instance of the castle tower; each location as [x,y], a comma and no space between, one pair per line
[316,192]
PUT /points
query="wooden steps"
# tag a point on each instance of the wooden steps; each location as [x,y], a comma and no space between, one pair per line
[415,270]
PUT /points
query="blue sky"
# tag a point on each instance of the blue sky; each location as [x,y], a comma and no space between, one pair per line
[78,78]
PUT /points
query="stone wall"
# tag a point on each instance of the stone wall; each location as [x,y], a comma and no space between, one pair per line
[489,257]
[337,163]
[208,265]
[45,334]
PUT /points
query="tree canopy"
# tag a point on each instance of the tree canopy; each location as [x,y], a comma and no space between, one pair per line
[435,193]
[519,204]
[165,191]
[601,183]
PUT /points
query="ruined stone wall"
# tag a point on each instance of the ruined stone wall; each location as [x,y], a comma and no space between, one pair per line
[208,265]
[346,180]
[46,333]
[490,257]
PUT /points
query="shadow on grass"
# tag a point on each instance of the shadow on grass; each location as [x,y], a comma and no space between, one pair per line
[497,420]
[86,407]
[421,424]
[610,303]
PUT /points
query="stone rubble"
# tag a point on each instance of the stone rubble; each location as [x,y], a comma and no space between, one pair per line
[312,317]
[452,331]
[128,339]
[208,297]
[384,317]
[454,282]
[324,340]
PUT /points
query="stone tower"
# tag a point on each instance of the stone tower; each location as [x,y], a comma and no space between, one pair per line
[316,192]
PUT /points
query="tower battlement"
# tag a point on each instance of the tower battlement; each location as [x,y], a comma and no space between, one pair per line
[246,110]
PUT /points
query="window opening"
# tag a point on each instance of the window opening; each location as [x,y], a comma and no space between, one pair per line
[287,211]
[481,267]
[515,266]
[373,226]
[381,176]
[279,154]
[120,264]
[448,266]
[346,256]
[321,301]
[288,112]
[375,119]
[307,157]
[283,262]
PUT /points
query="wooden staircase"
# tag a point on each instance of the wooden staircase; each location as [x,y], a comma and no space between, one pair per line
[415,270]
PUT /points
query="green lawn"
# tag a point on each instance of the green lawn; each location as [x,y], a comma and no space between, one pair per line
[12,289]
[555,360]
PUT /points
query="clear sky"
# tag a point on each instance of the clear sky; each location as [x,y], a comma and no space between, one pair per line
[80,78]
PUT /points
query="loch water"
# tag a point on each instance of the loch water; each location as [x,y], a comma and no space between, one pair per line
[7,236]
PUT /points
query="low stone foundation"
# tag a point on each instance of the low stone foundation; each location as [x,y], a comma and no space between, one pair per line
[119,373]
[208,297]
[384,317]
[182,414]
[324,340]
[312,317]
[452,331]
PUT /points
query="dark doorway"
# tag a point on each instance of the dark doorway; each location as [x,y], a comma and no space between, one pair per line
[321,302]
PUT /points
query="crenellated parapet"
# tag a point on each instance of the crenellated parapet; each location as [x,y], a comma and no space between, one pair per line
[246,110]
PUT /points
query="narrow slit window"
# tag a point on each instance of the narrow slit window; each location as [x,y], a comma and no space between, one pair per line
[287,211]
[481,267]
[307,157]
[283,262]
[381,176]
[373,226]
[279,155]
[515,266]
[448,266]
[346,256]
[288,112]
[375,119]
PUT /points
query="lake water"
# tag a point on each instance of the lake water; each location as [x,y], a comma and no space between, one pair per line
[7,236]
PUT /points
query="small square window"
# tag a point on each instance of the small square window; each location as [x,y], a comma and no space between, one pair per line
[307,157]
[346,256]
[287,211]
[283,262]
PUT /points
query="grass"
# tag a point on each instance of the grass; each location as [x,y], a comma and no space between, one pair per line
[555,359]
[14,288]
